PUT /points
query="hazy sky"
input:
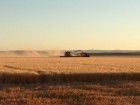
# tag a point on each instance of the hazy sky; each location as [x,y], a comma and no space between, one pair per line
[69,24]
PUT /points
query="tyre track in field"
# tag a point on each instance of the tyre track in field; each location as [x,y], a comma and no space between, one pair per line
[22,69]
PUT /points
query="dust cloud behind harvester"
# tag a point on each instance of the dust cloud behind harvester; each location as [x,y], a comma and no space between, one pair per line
[23,53]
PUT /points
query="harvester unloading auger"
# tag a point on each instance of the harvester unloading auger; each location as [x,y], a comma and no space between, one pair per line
[77,53]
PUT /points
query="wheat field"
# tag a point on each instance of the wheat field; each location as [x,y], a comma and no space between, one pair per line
[95,64]
[98,80]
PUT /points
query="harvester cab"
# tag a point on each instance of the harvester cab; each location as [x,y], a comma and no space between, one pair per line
[67,54]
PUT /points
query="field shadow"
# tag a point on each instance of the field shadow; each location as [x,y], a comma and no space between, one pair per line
[26,78]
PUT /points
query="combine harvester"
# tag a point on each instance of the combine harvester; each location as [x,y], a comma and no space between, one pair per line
[77,53]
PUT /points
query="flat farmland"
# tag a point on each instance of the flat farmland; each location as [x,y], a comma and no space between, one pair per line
[97,64]
[98,80]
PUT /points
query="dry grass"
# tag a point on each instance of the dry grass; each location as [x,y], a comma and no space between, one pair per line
[73,93]
[70,81]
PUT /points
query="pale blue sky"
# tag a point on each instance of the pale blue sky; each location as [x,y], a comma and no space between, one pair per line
[69,24]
